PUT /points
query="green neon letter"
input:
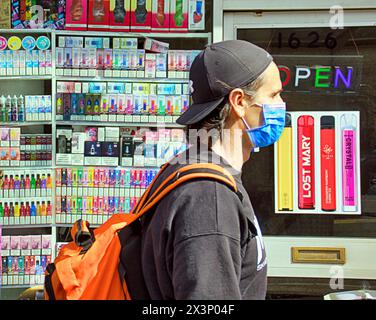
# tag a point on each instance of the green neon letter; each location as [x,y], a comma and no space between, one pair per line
[320,76]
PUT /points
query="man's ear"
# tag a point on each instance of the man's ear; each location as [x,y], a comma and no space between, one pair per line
[236,101]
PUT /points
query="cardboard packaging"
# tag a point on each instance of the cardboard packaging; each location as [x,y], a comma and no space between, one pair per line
[120,15]
[196,15]
[25,17]
[99,15]
[160,21]
[141,15]
[179,16]
[5,14]
[76,14]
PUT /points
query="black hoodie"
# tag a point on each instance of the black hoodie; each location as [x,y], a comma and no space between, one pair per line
[203,241]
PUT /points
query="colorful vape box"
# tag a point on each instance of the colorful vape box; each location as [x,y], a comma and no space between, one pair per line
[179,16]
[160,21]
[25,243]
[141,15]
[156,46]
[99,15]
[15,242]
[5,14]
[92,149]
[120,15]
[24,16]
[196,15]
[76,15]
[5,243]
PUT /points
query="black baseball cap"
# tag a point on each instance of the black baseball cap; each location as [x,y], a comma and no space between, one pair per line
[234,63]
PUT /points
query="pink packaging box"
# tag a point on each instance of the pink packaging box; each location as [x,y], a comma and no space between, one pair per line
[25,243]
[120,15]
[46,241]
[15,242]
[76,15]
[160,20]
[5,242]
[36,242]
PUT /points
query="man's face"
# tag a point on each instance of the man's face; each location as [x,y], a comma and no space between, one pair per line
[268,92]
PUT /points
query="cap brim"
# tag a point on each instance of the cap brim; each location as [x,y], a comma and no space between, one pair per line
[197,112]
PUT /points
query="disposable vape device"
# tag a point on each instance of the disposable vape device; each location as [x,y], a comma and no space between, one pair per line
[306,163]
[285,167]
[328,163]
[348,133]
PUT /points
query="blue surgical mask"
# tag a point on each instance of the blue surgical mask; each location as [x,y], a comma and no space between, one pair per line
[274,123]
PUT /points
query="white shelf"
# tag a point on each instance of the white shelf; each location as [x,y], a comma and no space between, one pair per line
[113,79]
[119,124]
[26,226]
[26,168]
[190,35]
[28,31]
[26,77]
[25,123]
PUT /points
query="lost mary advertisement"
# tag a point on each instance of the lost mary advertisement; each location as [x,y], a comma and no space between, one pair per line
[317,164]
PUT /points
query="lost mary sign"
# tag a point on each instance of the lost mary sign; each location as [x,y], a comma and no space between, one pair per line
[320,74]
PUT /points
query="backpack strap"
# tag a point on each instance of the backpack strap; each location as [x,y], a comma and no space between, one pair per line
[184,174]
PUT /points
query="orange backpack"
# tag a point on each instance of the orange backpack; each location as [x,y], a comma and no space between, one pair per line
[87,267]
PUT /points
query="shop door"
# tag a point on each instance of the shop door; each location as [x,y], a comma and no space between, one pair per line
[325,72]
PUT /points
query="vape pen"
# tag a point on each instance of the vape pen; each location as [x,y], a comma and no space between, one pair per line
[348,132]
[328,163]
[306,163]
[285,167]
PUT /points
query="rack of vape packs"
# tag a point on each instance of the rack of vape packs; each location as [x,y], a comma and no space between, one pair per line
[28,108]
[92,56]
[25,184]
[27,56]
[121,102]
[24,259]
[153,149]
[317,164]
[26,150]
[28,211]
[180,62]
[97,193]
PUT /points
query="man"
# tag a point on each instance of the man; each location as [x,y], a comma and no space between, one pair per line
[203,240]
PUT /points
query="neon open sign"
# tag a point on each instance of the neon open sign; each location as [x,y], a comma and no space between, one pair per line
[322,74]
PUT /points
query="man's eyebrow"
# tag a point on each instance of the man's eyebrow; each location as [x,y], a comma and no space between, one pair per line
[279,91]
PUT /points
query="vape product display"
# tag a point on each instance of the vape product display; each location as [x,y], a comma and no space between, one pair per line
[24,150]
[179,15]
[99,15]
[160,21]
[317,164]
[28,108]
[95,193]
[25,56]
[179,63]
[196,15]
[76,14]
[148,108]
[328,163]
[306,163]
[120,14]
[285,168]
[141,12]
[24,259]
[108,147]
[349,162]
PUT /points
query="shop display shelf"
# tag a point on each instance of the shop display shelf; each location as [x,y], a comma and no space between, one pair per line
[119,124]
